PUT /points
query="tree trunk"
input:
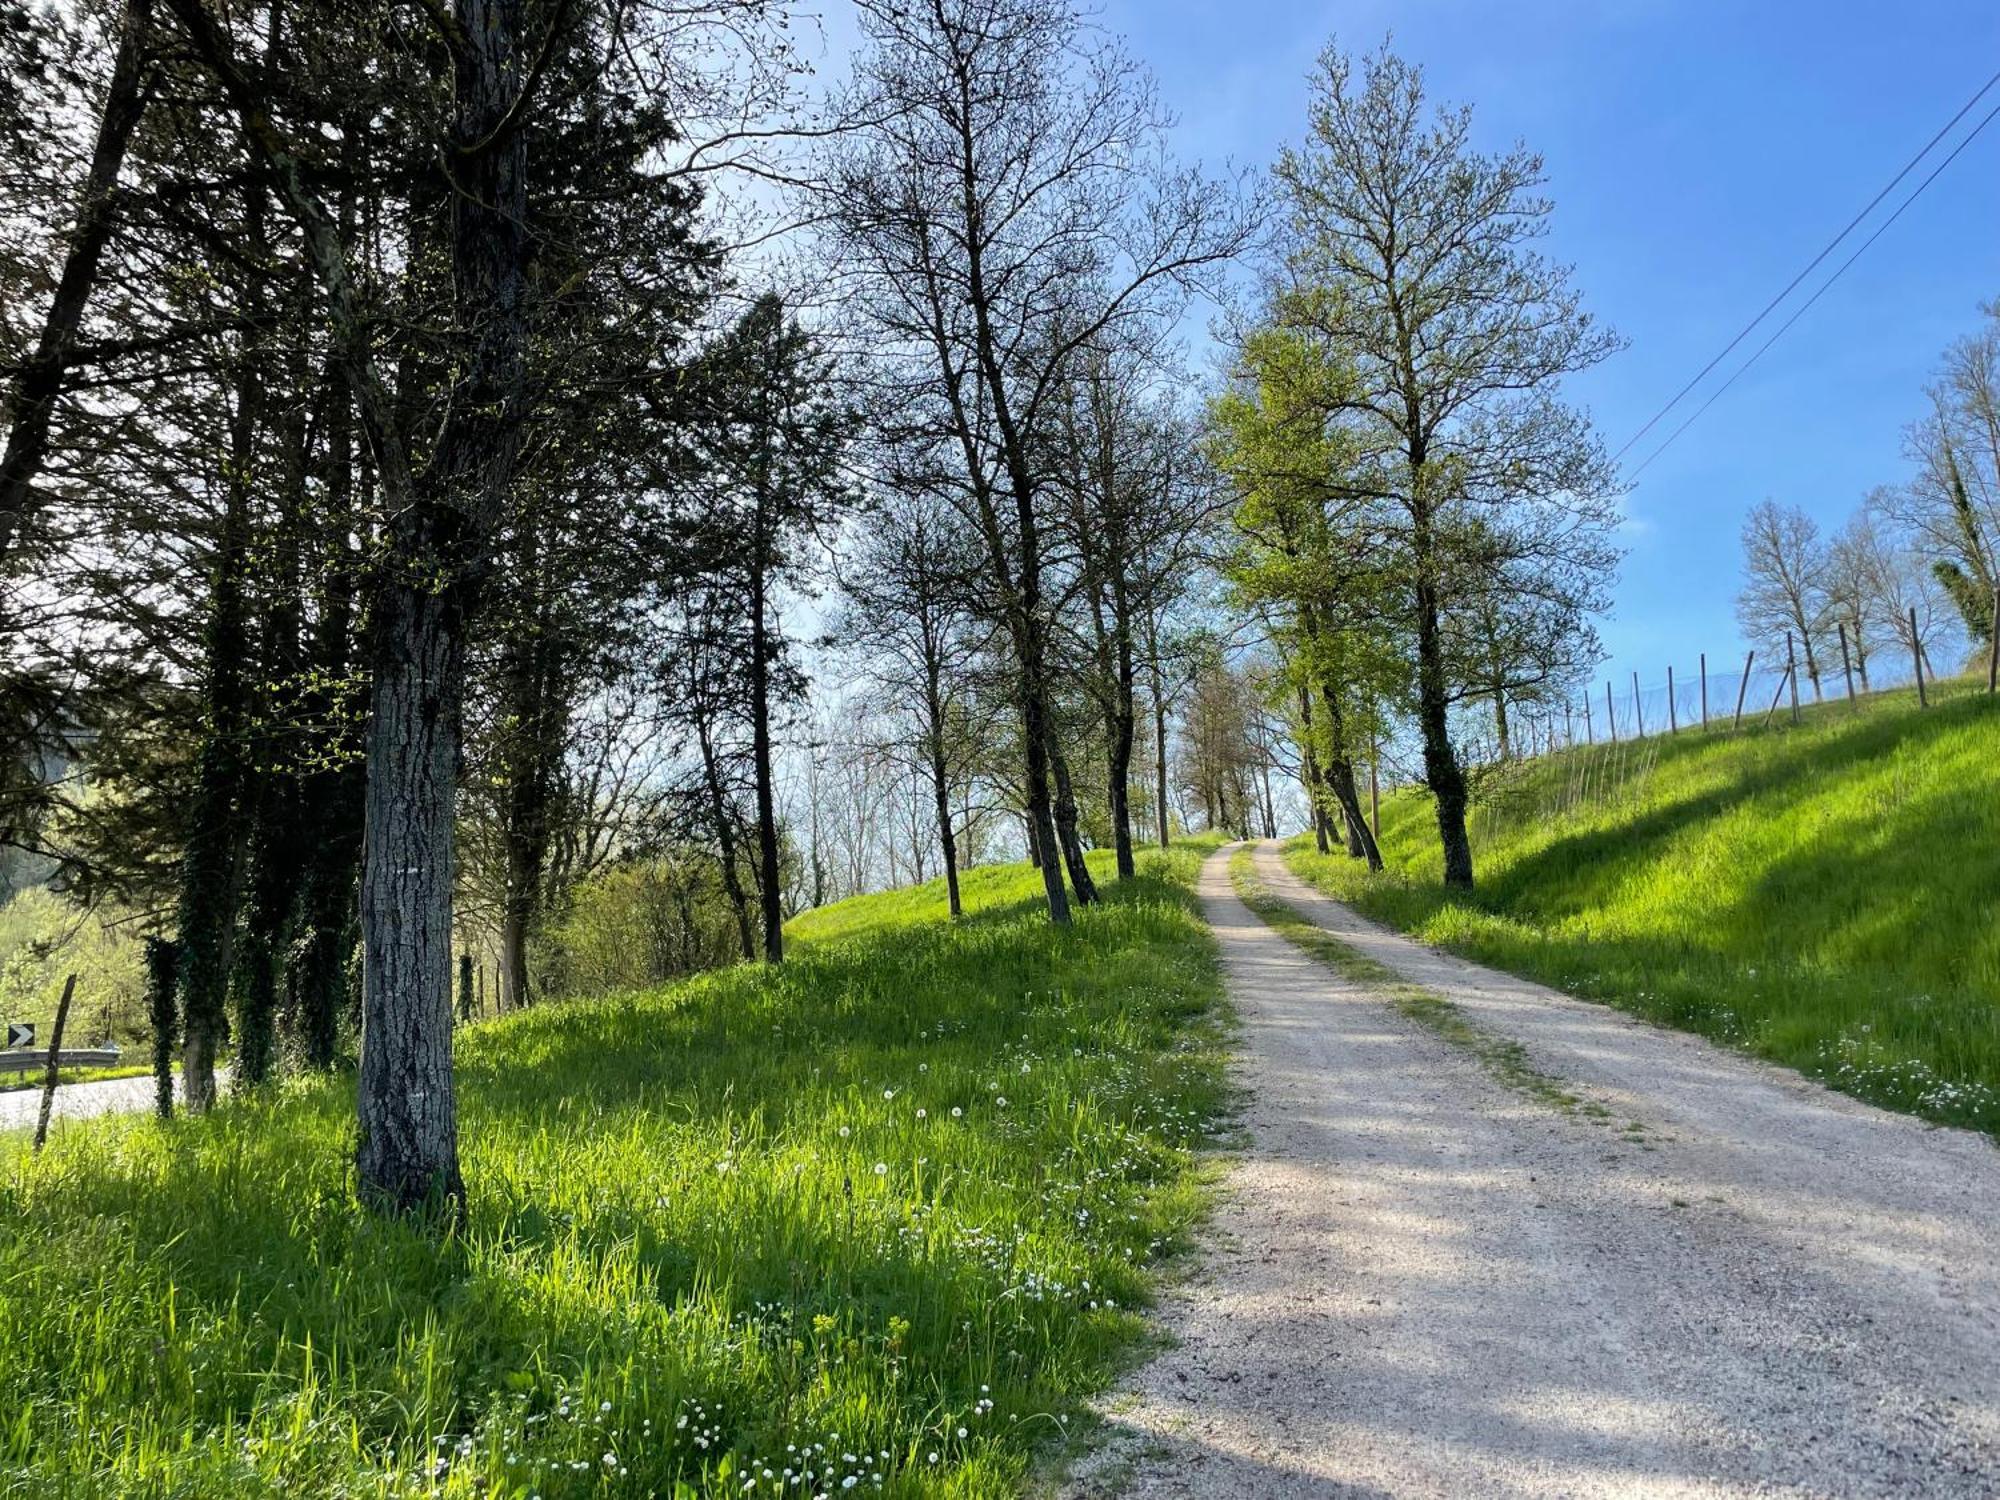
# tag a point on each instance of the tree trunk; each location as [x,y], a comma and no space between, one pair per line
[1441,767]
[408,1154]
[1340,778]
[770,894]
[163,962]
[1309,772]
[1066,829]
[33,407]
[725,839]
[940,778]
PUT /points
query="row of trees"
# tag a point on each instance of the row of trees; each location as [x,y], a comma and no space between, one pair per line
[1422,523]
[1915,565]
[409,514]
[419,524]
[395,490]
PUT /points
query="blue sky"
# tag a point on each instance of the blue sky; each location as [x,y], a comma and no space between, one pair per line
[1699,155]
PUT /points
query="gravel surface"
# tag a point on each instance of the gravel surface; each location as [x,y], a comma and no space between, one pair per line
[1731,1282]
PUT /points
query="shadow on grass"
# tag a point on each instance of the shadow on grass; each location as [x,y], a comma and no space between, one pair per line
[751,1187]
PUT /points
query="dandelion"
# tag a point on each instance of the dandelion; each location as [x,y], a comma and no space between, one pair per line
[923,1114]
[957,1113]
[843,1132]
[881,1169]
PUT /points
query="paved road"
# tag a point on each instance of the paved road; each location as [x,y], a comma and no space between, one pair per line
[1432,1284]
[75,1101]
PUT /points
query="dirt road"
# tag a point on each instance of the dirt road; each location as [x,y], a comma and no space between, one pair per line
[1430,1283]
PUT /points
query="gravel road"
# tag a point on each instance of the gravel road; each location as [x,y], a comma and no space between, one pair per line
[1431,1284]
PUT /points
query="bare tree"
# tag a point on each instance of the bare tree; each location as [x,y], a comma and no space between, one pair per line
[1001,207]
[911,586]
[1786,573]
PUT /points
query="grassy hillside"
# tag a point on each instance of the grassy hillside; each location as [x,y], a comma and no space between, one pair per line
[1827,896]
[882,1216]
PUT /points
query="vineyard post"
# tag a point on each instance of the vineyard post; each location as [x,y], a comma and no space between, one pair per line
[1673,710]
[1846,663]
[1610,713]
[1792,674]
[1704,692]
[1742,688]
[1638,710]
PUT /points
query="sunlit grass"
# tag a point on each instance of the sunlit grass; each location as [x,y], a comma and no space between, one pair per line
[880,1217]
[1824,896]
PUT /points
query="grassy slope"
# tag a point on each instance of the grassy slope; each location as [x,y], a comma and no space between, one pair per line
[836,1208]
[1824,896]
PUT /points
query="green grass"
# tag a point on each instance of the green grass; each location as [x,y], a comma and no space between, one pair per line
[899,1199]
[1826,896]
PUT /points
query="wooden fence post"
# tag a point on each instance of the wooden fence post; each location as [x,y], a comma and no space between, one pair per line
[1792,674]
[1704,692]
[1673,711]
[1846,665]
[1638,710]
[1610,713]
[1917,654]
[55,1062]
[1589,729]
[1742,688]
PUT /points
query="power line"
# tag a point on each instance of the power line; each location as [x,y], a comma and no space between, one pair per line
[1792,285]
[1859,251]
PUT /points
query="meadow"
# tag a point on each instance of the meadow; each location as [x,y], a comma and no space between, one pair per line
[1822,895]
[876,1222]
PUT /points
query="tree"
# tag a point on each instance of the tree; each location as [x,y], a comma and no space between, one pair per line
[775,455]
[1950,508]
[910,585]
[1412,253]
[997,213]
[1138,521]
[1852,562]
[1786,574]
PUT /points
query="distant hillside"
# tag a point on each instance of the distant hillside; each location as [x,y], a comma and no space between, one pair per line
[1826,895]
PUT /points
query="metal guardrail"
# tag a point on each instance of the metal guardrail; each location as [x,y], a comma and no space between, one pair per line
[27,1059]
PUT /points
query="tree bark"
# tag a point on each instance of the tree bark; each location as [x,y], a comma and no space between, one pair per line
[1441,768]
[408,1153]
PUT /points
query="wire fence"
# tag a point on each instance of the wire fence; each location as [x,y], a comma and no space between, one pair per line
[1697,697]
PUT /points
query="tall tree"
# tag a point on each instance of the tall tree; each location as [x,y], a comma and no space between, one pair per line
[993,223]
[1413,254]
